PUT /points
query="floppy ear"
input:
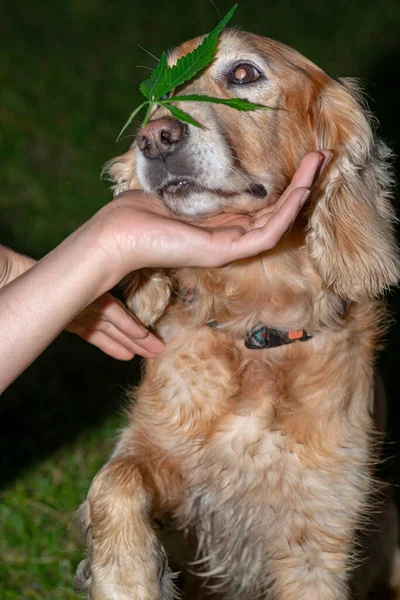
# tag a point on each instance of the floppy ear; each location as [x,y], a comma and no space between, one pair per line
[121,171]
[351,238]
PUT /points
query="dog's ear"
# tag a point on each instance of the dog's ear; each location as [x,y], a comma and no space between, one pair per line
[147,294]
[351,238]
[121,171]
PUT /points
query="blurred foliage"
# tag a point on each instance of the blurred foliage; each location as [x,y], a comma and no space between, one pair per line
[69,75]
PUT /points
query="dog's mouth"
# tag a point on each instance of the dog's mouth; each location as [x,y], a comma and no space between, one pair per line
[185,186]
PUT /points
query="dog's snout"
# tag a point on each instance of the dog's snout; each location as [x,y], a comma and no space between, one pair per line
[161,137]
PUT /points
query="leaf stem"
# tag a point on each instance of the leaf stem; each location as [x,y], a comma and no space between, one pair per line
[147,116]
[132,116]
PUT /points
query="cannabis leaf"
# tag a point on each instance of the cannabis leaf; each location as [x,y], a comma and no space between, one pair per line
[148,86]
[189,65]
[237,103]
[183,116]
[165,79]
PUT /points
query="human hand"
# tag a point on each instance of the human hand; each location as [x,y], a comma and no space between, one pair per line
[161,239]
[166,241]
[107,324]
[132,232]
[138,231]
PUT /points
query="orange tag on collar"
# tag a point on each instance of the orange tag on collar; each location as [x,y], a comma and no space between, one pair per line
[295,335]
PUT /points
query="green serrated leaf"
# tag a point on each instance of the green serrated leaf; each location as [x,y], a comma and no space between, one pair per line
[131,117]
[164,79]
[189,65]
[147,87]
[182,115]
[237,103]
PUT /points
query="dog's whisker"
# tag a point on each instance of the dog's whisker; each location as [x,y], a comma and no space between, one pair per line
[146,67]
[148,52]
[216,8]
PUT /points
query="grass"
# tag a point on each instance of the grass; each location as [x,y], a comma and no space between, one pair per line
[69,80]
[38,549]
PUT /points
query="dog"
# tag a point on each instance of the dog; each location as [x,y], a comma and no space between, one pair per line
[254,431]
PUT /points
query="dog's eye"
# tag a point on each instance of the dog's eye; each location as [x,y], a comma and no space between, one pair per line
[244,73]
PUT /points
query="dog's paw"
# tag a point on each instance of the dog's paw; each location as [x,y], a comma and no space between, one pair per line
[123,578]
[124,585]
[83,577]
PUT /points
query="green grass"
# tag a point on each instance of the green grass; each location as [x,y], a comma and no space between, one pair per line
[38,546]
[69,80]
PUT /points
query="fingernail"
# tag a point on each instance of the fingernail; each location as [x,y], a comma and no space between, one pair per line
[304,198]
[325,162]
[140,325]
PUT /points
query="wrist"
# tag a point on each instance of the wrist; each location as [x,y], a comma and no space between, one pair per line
[114,241]
[40,303]
[91,256]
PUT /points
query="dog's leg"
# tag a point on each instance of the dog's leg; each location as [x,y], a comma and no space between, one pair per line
[312,548]
[305,568]
[126,560]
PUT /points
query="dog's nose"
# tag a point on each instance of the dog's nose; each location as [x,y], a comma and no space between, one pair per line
[161,137]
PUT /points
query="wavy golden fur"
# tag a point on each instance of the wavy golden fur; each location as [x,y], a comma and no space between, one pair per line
[264,457]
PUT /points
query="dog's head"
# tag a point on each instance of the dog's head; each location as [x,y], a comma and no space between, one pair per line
[243,161]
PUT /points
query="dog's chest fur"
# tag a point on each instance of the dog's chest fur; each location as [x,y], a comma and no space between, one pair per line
[266,455]
[243,451]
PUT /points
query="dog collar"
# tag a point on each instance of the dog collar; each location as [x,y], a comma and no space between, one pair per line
[261,336]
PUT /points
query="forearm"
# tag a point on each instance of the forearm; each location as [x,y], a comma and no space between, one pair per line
[132,232]
[36,306]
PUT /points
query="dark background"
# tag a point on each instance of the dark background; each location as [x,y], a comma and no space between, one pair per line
[69,75]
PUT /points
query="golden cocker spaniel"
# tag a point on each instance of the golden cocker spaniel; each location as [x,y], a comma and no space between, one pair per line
[254,430]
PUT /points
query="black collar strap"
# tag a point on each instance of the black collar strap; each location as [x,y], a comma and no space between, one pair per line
[260,336]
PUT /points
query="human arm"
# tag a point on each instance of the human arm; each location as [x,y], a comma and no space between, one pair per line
[105,323]
[130,233]
[12,264]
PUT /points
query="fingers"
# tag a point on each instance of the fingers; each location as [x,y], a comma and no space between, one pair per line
[121,350]
[270,224]
[308,172]
[273,226]
[108,325]
[308,169]
[109,339]
[103,342]
[267,232]
[112,311]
